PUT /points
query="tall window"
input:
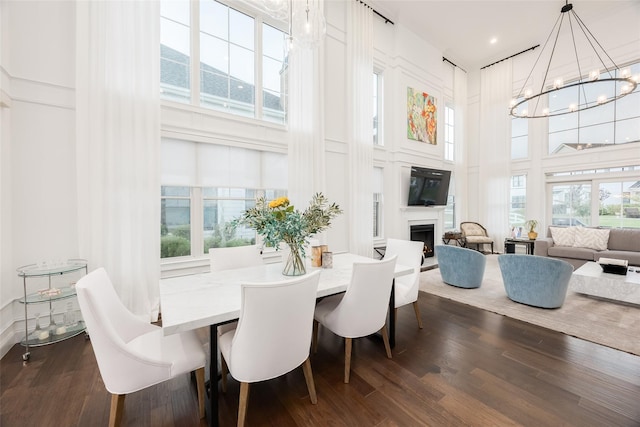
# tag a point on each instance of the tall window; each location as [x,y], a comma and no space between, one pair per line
[619,204]
[377,202]
[518,199]
[377,108]
[450,208]
[617,122]
[175,51]
[519,136]
[175,222]
[239,61]
[449,134]
[205,187]
[571,204]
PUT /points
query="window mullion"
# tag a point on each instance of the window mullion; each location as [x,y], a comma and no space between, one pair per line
[195,52]
[257,53]
[197,222]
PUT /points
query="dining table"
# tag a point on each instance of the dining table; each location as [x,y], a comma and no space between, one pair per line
[213,299]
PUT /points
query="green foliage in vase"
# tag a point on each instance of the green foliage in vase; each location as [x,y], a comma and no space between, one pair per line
[278,221]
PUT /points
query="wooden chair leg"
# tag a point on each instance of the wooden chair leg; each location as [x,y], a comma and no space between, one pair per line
[385,339]
[308,376]
[347,359]
[224,370]
[314,339]
[416,309]
[200,385]
[242,404]
[117,407]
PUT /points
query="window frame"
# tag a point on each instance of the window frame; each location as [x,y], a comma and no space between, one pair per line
[578,131]
[378,96]
[260,19]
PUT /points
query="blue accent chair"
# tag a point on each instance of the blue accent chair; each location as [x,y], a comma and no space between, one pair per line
[535,280]
[460,267]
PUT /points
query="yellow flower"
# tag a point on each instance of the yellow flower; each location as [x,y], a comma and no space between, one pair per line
[280,201]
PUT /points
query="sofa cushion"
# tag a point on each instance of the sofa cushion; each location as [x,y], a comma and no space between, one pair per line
[563,236]
[624,239]
[591,238]
[571,252]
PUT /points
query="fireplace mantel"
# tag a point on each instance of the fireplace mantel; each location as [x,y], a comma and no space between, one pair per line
[419,215]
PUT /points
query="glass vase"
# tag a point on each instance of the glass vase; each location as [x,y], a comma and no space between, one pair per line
[294,266]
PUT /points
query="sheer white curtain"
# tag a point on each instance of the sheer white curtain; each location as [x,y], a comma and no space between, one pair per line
[306,118]
[460,165]
[118,145]
[495,150]
[360,119]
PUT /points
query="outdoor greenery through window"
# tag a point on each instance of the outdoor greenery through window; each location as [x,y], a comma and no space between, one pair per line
[619,204]
[175,222]
[571,204]
[239,60]
[617,122]
[618,198]
[211,209]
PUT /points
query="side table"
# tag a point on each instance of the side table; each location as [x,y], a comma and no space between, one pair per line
[72,324]
[510,245]
[456,236]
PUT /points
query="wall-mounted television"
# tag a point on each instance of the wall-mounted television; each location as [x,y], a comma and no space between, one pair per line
[428,187]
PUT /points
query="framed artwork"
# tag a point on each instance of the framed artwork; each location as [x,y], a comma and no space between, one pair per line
[422,117]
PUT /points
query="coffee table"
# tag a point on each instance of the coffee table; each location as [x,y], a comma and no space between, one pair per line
[591,280]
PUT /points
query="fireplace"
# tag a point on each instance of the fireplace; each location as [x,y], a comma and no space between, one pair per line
[424,233]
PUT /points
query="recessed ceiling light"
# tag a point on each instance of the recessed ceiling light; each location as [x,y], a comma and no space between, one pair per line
[493,40]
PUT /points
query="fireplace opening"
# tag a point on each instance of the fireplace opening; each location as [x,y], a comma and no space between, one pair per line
[424,233]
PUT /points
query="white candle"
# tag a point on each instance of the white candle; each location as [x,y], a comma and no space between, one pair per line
[43,335]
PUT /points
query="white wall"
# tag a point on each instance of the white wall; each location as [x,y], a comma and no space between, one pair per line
[38,145]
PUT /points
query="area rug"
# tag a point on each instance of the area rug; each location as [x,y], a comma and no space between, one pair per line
[608,323]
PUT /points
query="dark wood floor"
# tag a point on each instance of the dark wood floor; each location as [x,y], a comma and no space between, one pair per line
[467,367]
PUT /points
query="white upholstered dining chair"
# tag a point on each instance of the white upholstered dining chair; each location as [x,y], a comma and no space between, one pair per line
[409,253]
[361,310]
[132,354]
[273,335]
[233,257]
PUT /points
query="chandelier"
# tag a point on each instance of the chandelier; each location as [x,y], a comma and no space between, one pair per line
[599,87]
[307,25]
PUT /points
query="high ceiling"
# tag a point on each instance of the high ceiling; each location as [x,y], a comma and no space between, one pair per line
[462,30]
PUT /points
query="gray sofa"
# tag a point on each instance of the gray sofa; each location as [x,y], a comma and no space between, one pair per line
[623,243]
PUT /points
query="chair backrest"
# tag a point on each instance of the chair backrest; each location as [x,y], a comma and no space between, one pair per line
[535,280]
[234,257]
[472,229]
[409,253]
[460,267]
[111,326]
[274,331]
[363,309]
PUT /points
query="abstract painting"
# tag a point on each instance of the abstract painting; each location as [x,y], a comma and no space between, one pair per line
[422,117]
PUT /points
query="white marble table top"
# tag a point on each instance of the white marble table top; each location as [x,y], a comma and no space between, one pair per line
[589,279]
[197,300]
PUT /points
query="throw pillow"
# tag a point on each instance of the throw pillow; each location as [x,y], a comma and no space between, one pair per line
[592,238]
[563,236]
